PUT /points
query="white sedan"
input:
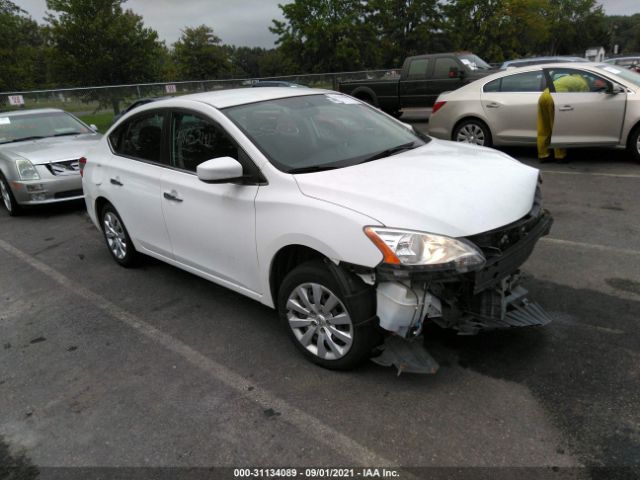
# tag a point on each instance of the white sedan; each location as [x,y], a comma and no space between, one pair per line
[352,225]
[502,109]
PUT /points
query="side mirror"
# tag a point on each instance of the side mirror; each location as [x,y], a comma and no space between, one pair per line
[93,127]
[220,170]
[455,73]
[616,89]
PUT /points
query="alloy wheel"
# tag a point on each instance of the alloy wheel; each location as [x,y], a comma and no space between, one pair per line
[116,238]
[6,196]
[471,133]
[320,321]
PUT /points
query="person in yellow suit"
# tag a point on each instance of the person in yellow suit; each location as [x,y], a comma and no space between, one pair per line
[546,113]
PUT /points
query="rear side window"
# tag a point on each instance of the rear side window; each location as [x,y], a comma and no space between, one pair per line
[418,69]
[521,82]
[140,137]
[443,66]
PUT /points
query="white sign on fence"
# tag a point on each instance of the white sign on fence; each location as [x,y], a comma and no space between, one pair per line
[170,88]
[16,100]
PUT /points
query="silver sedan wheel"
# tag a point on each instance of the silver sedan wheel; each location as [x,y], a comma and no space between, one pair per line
[471,133]
[116,239]
[320,321]
[637,148]
[6,196]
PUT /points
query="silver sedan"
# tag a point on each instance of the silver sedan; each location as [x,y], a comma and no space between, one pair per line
[40,153]
[501,109]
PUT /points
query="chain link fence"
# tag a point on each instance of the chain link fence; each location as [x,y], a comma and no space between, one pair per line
[99,104]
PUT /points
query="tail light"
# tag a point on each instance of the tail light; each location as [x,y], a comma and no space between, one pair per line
[437,106]
[82,161]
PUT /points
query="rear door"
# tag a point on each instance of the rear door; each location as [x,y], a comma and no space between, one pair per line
[132,180]
[588,117]
[211,226]
[412,88]
[510,104]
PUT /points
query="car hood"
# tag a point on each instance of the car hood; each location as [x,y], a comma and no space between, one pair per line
[442,187]
[52,149]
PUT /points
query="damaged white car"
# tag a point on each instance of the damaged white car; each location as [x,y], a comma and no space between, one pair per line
[356,228]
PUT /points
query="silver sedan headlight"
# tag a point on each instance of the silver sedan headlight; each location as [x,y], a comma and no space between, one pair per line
[26,170]
[410,248]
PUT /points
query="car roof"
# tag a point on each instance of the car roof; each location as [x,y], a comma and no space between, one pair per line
[243,96]
[552,57]
[17,113]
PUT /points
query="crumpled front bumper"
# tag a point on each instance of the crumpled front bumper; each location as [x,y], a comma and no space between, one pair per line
[487,299]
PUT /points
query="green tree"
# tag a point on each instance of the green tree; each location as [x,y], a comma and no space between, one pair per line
[574,25]
[198,55]
[406,27]
[276,63]
[327,35]
[624,31]
[497,29]
[96,42]
[21,49]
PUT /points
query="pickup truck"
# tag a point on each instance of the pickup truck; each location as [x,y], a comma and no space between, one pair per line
[422,79]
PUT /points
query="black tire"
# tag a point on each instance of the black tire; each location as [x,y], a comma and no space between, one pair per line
[356,299]
[471,129]
[118,241]
[633,144]
[7,198]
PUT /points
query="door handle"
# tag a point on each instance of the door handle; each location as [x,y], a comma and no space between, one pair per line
[115,181]
[566,108]
[493,105]
[172,196]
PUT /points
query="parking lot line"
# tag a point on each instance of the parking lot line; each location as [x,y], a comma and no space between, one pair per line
[301,420]
[593,246]
[594,174]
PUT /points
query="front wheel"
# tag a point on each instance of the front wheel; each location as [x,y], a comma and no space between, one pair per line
[474,132]
[328,315]
[634,144]
[8,199]
[117,238]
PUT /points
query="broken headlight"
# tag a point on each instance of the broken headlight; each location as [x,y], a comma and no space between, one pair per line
[407,247]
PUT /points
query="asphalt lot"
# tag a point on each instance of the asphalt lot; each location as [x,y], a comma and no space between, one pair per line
[104,366]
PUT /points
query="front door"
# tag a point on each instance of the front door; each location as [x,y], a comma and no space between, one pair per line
[211,226]
[585,114]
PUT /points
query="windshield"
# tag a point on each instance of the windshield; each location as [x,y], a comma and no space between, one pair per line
[14,128]
[318,132]
[474,62]
[628,75]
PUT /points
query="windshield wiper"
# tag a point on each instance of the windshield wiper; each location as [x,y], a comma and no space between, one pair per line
[314,168]
[24,139]
[390,151]
[67,133]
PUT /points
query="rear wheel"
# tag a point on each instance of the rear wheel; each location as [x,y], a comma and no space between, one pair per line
[118,241]
[328,315]
[634,144]
[473,131]
[8,200]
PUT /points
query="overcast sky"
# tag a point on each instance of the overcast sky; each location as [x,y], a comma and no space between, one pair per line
[236,22]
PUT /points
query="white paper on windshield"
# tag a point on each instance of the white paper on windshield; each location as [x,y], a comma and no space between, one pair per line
[335,98]
[611,69]
[4,121]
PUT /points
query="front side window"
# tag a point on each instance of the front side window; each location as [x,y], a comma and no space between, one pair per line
[318,132]
[140,137]
[566,80]
[443,67]
[195,140]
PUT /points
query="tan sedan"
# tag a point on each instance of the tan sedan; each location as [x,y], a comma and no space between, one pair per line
[501,109]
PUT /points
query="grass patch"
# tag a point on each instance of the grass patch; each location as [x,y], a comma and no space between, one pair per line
[102,120]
